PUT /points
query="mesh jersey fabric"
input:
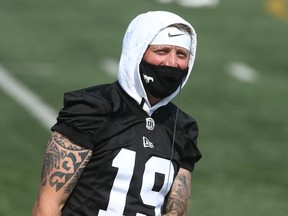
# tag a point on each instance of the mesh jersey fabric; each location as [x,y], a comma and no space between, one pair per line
[108,121]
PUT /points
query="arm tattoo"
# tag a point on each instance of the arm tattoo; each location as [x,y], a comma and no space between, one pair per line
[178,200]
[63,162]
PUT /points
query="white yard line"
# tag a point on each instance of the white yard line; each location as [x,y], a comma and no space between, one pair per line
[198,3]
[27,99]
[242,72]
[110,67]
[192,3]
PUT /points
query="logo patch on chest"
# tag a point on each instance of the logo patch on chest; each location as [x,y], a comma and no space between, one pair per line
[147,143]
[150,123]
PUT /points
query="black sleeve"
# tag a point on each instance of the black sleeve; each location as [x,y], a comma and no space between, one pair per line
[191,153]
[81,117]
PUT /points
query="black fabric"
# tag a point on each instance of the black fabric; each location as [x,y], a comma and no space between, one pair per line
[161,81]
[108,121]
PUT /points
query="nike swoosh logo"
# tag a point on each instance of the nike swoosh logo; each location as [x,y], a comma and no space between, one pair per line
[174,35]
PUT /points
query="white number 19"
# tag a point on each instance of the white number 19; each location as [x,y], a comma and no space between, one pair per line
[125,162]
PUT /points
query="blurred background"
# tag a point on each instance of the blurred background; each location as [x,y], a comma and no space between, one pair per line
[238,92]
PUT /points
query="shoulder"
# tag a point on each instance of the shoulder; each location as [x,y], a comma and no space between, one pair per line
[186,126]
[183,118]
[84,113]
[100,97]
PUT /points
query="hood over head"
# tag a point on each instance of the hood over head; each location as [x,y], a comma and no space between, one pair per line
[139,34]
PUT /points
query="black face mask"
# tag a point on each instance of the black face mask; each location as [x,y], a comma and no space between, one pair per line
[161,81]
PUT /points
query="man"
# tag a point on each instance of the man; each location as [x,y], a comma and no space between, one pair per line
[124,148]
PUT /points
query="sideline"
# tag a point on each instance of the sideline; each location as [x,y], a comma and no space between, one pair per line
[27,99]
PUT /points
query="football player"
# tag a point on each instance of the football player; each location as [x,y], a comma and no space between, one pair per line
[123,148]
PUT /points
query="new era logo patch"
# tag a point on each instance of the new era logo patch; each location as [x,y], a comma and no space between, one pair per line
[147,143]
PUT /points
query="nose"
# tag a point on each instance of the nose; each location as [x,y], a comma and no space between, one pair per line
[171,59]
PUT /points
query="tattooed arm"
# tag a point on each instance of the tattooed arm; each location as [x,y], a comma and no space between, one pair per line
[179,198]
[63,163]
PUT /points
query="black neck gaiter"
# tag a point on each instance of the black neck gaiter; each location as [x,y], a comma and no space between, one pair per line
[161,81]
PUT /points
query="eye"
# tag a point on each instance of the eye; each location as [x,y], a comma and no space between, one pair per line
[161,51]
[182,54]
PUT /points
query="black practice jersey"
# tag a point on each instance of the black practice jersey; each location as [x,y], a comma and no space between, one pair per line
[133,164]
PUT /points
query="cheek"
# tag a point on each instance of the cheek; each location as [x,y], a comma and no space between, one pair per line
[183,64]
[153,59]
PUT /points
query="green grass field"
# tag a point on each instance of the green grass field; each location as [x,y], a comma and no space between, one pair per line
[54,46]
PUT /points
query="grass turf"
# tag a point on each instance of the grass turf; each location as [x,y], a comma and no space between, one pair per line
[56,46]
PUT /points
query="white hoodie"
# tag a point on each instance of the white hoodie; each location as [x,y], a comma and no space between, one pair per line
[138,36]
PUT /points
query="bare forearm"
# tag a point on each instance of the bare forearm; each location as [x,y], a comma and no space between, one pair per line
[179,198]
[47,209]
